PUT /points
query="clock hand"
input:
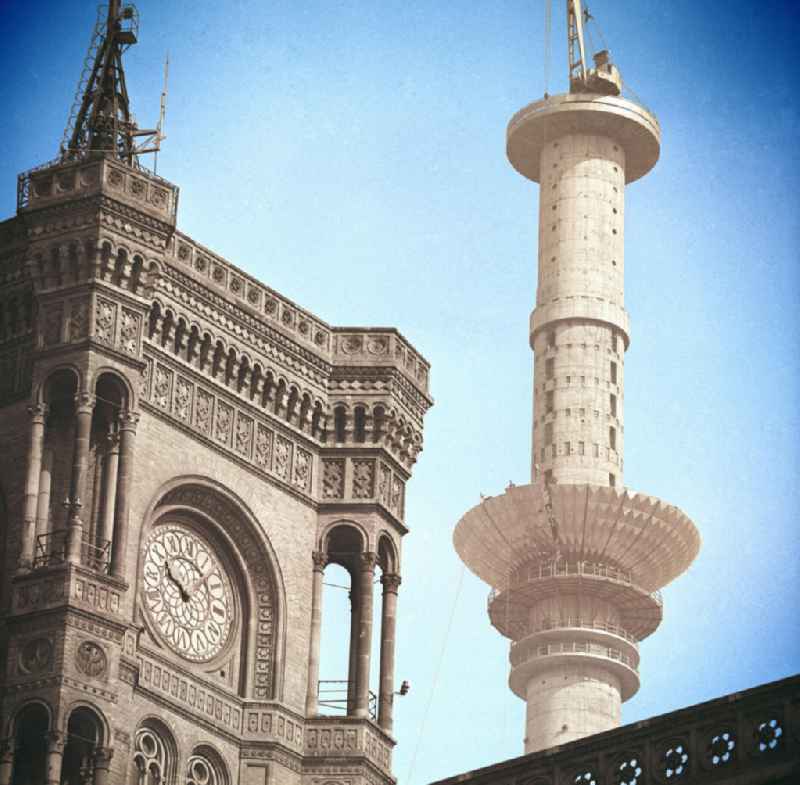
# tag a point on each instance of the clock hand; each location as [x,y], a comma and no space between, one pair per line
[201,579]
[176,579]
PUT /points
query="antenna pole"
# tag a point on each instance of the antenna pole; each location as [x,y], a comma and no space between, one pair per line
[160,135]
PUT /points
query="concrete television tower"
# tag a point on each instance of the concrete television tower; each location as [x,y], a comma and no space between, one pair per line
[575,560]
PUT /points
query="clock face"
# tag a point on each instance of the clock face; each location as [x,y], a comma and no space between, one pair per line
[187,593]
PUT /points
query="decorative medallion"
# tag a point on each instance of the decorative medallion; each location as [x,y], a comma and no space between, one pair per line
[378,344]
[36,656]
[351,344]
[90,659]
[187,593]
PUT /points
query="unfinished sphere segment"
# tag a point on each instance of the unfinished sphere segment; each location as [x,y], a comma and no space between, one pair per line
[575,560]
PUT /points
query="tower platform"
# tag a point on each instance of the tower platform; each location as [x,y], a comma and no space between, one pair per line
[627,123]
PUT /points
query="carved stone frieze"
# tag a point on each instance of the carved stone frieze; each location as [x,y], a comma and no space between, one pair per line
[333,478]
[229,427]
[36,594]
[78,323]
[178,687]
[15,372]
[105,319]
[95,595]
[354,479]
[363,478]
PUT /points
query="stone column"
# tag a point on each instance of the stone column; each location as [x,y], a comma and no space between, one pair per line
[320,560]
[94,511]
[128,421]
[391,584]
[74,531]
[38,413]
[367,563]
[84,408]
[352,664]
[55,755]
[105,522]
[6,760]
[45,484]
[102,763]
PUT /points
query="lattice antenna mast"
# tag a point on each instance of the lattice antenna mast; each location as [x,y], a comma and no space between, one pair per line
[100,121]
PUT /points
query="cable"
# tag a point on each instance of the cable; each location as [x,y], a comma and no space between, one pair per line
[548,25]
[436,674]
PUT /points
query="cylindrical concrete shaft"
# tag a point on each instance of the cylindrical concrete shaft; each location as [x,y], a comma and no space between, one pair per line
[580,330]
[366,575]
[391,584]
[127,429]
[35,443]
[320,559]
[45,487]
[568,703]
[105,526]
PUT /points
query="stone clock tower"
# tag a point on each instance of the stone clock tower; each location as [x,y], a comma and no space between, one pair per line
[184,451]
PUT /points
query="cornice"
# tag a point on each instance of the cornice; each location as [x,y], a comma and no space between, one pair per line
[254,333]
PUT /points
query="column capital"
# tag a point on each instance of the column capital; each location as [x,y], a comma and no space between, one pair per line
[6,750]
[391,583]
[84,403]
[367,561]
[38,411]
[55,741]
[112,441]
[128,420]
[320,560]
[102,757]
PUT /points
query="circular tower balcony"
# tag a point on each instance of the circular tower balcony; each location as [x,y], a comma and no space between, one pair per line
[628,123]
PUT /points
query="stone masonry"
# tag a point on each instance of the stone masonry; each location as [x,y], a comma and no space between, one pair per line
[183,451]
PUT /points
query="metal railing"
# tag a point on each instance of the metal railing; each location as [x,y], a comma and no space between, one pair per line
[583,624]
[541,571]
[581,647]
[96,556]
[333,694]
[51,548]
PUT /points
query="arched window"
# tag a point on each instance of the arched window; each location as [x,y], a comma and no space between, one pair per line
[111,398]
[153,756]
[340,621]
[205,767]
[84,736]
[339,424]
[30,746]
[56,469]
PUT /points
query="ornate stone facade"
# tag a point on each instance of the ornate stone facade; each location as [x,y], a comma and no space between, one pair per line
[217,446]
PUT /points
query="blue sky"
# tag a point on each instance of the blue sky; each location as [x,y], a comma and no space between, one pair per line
[351,155]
